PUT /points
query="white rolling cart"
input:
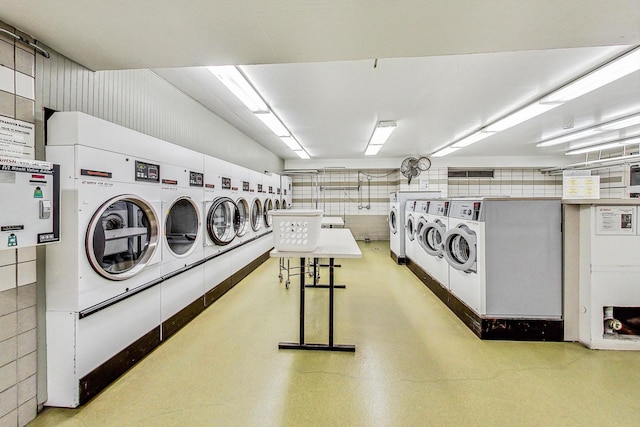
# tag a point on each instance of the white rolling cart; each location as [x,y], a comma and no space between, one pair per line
[332,243]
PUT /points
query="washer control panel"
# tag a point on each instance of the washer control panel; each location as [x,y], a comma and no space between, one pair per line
[30,194]
[465,209]
[439,207]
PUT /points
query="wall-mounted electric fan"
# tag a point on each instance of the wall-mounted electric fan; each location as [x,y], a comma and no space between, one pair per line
[412,166]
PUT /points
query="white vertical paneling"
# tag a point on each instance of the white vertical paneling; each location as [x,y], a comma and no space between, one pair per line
[140,100]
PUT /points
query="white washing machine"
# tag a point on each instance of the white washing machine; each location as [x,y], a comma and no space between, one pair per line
[101,276]
[418,255]
[431,241]
[410,223]
[505,257]
[396,218]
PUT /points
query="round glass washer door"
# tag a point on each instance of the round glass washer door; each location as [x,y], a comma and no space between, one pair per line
[419,231]
[460,248]
[182,226]
[243,214]
[256,214]
[410,228]
[393,214]
[433,236]
[268,207]
[223,221]
[122,237]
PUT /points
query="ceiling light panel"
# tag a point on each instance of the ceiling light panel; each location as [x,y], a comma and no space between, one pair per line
[621,123]
[273,123]
[472,139]
[291,143]
[302,154]
[445,151]
[599,147]
[372,150]
[610,72]
[235,81]
[382,132]
[520,116]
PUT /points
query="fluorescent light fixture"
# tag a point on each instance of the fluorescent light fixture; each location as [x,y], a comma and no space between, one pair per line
[273,123]
[372,150]
[472,139]
[621,123]
[291,143]
[607,146]
[606,138]
[382,132]
[567,138]
[237,83]
[302,154]
[445,151]
[593,148]
[612,71]
[520,116]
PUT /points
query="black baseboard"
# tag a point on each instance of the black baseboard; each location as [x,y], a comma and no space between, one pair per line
[492,328]
[98,379]
[181,318]
[95,381]
[398,260]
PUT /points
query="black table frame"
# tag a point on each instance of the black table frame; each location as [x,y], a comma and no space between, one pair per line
[302,345]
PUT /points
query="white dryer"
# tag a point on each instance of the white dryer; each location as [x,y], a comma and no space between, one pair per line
[505,259]
[182,182]
[431,241]
[221,221]
[396,218]
[101,277]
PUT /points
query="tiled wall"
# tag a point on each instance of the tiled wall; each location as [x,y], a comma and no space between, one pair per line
[508,182]
[613,182]
[361,198]
[18,356]
[338,199]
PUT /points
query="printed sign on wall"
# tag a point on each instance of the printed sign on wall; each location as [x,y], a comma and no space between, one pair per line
[17,138]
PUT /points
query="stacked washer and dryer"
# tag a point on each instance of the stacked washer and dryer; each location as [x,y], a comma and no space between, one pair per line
[139,238]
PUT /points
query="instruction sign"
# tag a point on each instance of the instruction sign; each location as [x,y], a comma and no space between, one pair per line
[17,138]
[424,183]
[580,187]
[615,220]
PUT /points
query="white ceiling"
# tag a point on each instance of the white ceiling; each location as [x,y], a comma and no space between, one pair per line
[447,67]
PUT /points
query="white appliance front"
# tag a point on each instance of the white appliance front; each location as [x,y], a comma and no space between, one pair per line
[463,246]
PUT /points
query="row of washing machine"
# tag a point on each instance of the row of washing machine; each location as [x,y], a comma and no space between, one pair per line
[148,230]
[500,257]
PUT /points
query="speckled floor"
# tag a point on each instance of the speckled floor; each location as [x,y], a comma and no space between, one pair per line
[415,364]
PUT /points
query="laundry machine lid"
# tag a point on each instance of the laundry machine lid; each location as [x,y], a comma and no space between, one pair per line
[460,249]
[223,220]
[182,226]
[122,237]
[432,238]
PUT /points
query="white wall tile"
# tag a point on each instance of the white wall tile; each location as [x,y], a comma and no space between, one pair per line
[26,273]
[25,86]
[7,277]
[7,79]
[26,254]
[7,257]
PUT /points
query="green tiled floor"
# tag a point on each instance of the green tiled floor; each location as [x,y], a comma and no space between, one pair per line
[415,364]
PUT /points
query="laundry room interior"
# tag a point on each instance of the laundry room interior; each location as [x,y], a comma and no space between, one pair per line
[319,213]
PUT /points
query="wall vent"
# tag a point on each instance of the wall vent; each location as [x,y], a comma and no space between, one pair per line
[474,173]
